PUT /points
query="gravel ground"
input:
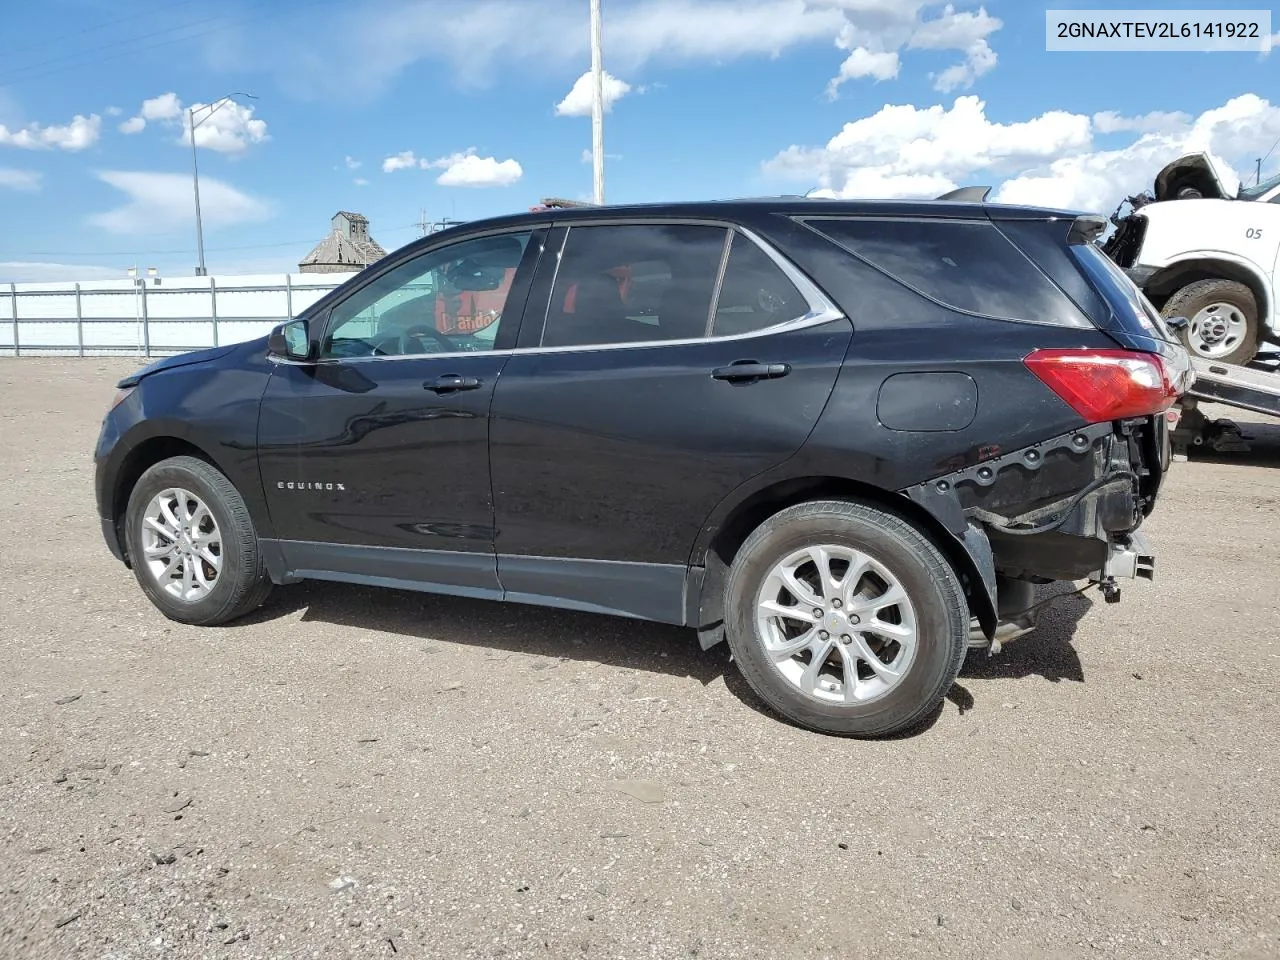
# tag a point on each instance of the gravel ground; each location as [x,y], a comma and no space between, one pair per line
[361,773]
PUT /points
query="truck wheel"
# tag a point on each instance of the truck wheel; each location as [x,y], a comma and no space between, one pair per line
[845,619]
[1222,320]
[192,545]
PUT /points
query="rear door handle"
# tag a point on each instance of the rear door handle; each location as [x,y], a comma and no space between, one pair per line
[451,383]
[742,371]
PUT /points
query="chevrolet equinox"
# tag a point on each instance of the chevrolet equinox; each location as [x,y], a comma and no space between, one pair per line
[847,437]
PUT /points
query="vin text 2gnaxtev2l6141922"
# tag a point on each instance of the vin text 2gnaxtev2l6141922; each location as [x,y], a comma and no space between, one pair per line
[846,437]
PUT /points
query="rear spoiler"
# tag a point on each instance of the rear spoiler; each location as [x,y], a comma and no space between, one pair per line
[967,195]
[1087,228]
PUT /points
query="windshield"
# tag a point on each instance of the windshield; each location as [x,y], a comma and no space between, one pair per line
[1252,193]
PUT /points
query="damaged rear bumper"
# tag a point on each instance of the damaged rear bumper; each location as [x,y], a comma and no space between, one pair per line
[1065,509]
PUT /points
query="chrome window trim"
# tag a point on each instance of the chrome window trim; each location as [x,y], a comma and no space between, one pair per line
[821,310]
[715,293]
[452,355]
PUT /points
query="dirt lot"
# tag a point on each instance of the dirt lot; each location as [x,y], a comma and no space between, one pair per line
[358,773]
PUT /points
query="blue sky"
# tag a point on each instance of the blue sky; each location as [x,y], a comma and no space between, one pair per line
[392,107]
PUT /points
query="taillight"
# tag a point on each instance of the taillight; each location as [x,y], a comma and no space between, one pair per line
[1103,385]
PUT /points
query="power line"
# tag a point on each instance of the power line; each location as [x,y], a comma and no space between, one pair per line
[93,27]
[115,43]
[18,77]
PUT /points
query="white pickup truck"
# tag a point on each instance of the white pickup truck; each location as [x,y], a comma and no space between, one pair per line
[1205,248]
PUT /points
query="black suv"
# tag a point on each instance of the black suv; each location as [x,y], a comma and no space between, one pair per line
[848,437]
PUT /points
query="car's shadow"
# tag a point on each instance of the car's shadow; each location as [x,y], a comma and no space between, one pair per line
[627,644]
[1263,440]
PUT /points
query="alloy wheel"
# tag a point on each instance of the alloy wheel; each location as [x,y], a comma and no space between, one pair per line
[836,623]
[182,545]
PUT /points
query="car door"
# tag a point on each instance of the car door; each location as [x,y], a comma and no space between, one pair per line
[383,442]
[665,364]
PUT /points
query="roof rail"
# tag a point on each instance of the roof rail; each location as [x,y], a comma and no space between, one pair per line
[558,203]
[967,194]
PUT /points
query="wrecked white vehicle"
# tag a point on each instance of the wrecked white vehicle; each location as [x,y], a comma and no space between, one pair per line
[1204,248]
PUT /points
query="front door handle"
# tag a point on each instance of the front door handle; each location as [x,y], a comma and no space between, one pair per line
[743,371]
[452,383]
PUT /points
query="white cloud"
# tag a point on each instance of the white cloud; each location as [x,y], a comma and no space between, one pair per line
[113,112]
[468,170]
[907,151]
[163,201]
[80,133]
[864,63]
[167,106]
[1158,121]
[360,182]
[875,32]
[587,156]
[1049,160]
[577,103]
[404,160]
[481,39]
[27,181]
[37,271]
[231,128]
[464,169]
[1241,129]
[352,163]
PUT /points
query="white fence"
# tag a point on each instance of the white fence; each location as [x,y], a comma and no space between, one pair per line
[151,316]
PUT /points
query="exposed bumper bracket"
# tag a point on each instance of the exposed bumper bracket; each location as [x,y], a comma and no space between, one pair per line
[1129,561]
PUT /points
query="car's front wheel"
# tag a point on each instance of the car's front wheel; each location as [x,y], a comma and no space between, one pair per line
[192,544]
[846,619]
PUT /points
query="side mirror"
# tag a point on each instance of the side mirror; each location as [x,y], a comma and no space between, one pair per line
[290,341]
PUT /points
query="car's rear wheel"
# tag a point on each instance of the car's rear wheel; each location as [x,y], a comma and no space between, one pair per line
[1222,320]
[846,619]
[192,545]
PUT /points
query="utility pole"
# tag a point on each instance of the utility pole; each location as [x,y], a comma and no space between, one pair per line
[597,105]
[1259,179]
[195,171]
[195,182]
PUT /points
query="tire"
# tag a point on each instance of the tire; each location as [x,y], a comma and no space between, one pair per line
[931,587]
[239,586]
[1222,320]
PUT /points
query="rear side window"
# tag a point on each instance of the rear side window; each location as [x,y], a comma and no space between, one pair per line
[634,283]
[964,265]
[647,283]
[755,293]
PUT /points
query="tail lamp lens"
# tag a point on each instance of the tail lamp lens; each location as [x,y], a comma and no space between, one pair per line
[1103,385]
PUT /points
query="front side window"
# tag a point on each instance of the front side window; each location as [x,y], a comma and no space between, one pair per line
[446,301]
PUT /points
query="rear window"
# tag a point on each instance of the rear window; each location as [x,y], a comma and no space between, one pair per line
[1122,293]
[963,264]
